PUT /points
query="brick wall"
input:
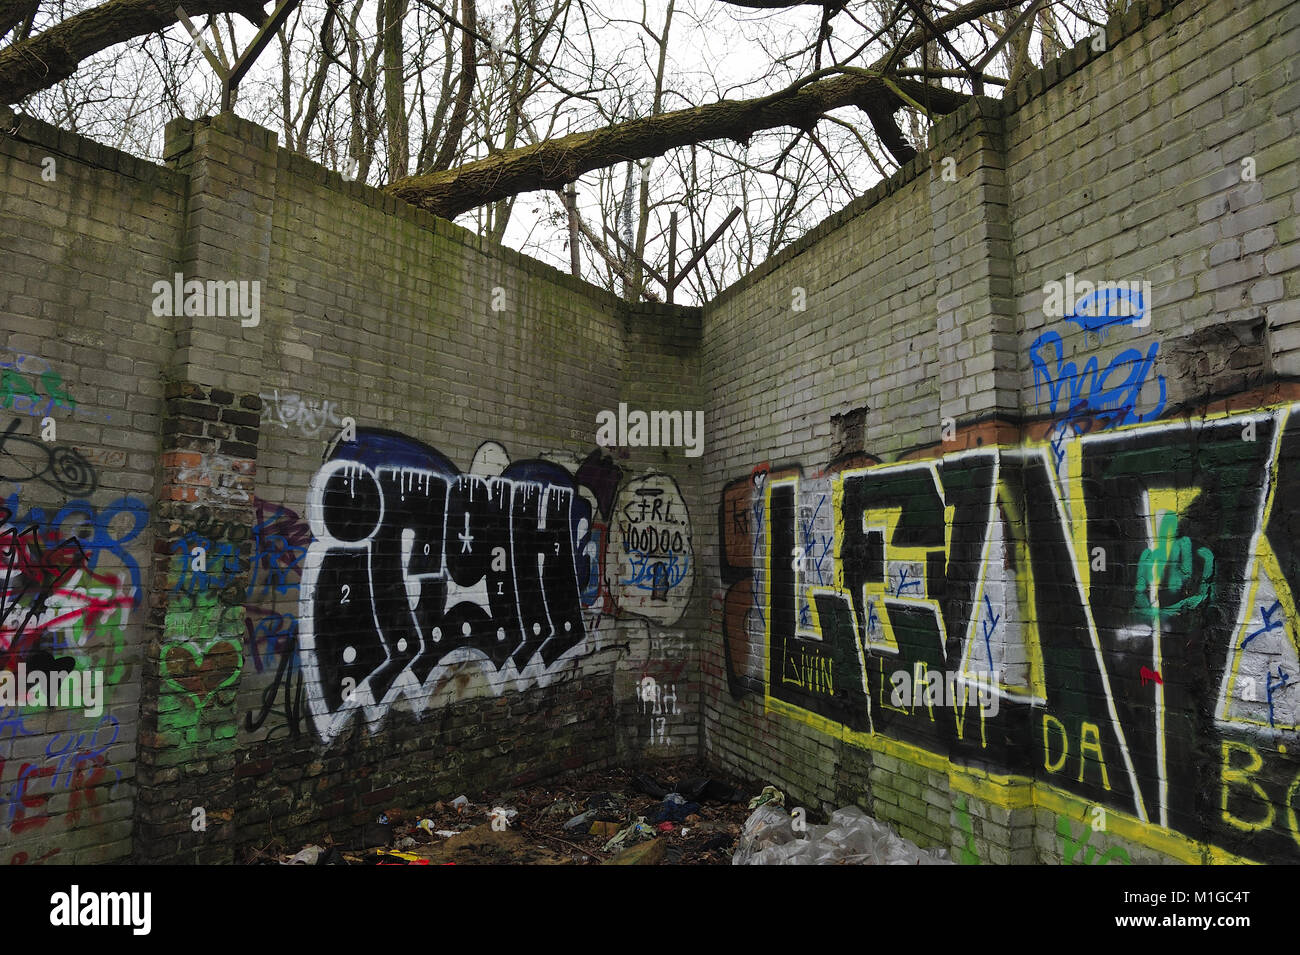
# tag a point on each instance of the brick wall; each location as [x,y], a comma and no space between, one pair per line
[934,469]
[351,544]
[83,360]
[534,593]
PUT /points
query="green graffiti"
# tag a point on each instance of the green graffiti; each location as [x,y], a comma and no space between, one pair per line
[1168,567]
[197,676]
[968,854]
[53,383]
[200,667]
[1070,846]
[13,384]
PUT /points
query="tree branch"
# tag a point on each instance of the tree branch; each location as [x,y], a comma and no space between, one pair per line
[551,164]
[54,54]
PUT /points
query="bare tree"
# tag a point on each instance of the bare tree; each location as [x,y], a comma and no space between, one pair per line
[462,106]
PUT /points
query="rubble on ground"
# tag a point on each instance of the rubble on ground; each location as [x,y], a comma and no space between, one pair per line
[671,812]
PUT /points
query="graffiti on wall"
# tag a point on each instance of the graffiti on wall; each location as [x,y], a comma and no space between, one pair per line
[69,584]
[650,560]
[659,673]
[1135,604]
[416,567]
[280,542]
[1107,397]
[76,763]
[309,417]
[228,590]
[30,385]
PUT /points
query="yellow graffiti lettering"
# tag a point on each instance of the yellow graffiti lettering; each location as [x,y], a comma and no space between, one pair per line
[1290,809]
[1090,729]
[1047,746]
[1241,774]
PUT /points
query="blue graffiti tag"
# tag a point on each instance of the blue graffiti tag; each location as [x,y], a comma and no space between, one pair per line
[903,583]
[989,628]
[1109,312]
[1091,390]
[100,520]
[221,564]
[658,572]
[810,542]
[1075,420]
[1283,680]
[11,720]
[75,749]
[1266,614]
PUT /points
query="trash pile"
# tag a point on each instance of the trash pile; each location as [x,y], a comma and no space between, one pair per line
[773,836]
[680,815]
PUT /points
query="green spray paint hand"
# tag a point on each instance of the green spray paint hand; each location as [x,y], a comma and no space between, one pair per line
[1168,565]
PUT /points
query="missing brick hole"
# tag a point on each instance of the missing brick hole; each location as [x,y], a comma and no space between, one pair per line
[1229,356]
[848,433]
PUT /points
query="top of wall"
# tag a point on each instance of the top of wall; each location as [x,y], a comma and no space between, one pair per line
[61,142]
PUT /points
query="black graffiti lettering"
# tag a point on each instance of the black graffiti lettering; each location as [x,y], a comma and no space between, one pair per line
[549,603]
[415,567]
[1220,482]
[826,675]
[57,465]
[1159,683]
[288,681]
[478,523]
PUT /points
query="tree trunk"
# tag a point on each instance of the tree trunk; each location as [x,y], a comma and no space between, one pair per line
[551,164]
[395,90]
[53,55]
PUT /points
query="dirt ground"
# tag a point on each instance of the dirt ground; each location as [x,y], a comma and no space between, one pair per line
[536,835]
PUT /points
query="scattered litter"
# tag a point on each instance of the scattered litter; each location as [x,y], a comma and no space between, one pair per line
[308,856]
[694,789]
[674,808]
[645,784]
[632,834]
[852,838]
[606,806]
[388,857]
[376,834]
[584,817]
[424,830]
[708,789]
[769,794]
[646,853]
[768,827]
[561,807]
[581,821]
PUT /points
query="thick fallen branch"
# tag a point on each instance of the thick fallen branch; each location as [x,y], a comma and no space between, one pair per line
[53,55]
[551,164]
